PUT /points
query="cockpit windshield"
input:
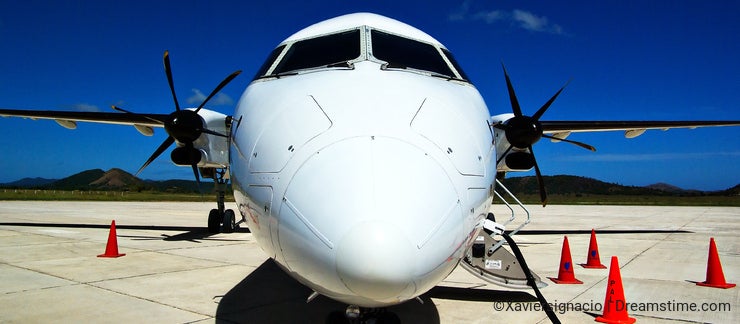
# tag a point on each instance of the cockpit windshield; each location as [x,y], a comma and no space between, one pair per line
[393,52]
[320,52]
[401,52]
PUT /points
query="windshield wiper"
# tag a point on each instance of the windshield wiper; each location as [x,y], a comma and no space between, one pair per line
[446,77]
[277,75]
[392,65]
[344,64]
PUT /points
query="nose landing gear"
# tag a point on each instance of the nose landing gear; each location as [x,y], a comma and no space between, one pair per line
[221,220]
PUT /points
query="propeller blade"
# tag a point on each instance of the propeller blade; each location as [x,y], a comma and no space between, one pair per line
[163,147]
[512,96]
[504,155]
[197,177]
[208,131]
[168,71]
[583,145]
[189,146]
[218,88]
[540,181]
[133,113]
[544,107]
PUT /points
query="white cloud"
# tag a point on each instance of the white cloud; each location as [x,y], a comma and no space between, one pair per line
[519,18]
[532,22]
[220,99]
[490,16]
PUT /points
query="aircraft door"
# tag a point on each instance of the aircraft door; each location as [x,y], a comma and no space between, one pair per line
[259,215]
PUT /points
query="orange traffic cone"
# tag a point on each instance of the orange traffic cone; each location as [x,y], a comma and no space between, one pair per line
[111,249]
[565,273]
[615,307]
[593,261]
[715,275]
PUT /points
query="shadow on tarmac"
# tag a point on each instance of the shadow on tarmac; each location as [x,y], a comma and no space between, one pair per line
[601,231]
[269,295]
[192,234]
[480,295]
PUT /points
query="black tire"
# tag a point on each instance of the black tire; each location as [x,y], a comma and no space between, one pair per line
[214,222]
[229,221]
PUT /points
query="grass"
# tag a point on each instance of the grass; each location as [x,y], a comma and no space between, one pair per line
[728,201]
[31,194]
[81,195]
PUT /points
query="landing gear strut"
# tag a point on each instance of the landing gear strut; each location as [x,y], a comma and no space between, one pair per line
[220,220]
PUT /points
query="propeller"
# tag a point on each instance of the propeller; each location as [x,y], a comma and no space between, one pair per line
[182,125]
[523,131]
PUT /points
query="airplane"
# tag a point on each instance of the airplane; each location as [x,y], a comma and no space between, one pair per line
[363,160]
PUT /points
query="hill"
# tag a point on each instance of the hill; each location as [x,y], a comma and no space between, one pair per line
[572,185]
[673,189]
[575,185]
[734,191]
[28,183]
[119,180]
[112,180]
[78,181]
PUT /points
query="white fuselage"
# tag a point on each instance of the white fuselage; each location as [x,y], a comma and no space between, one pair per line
[366,185]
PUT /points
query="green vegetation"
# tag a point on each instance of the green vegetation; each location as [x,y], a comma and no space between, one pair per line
[82,195]
[559,199]
[112,185]
[119,185]
[573,190]
[530,199]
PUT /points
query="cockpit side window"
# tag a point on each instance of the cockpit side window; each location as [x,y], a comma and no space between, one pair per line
[270,61]
[320,52]
[454,64]
[401,52]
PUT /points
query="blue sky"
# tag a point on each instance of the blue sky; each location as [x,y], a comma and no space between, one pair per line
[628,60]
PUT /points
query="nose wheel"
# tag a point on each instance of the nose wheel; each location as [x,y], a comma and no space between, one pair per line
[221,220]
[214,221]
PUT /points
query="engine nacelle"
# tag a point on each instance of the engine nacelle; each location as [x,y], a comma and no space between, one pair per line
[208,151]
[519,161]
[184,156]
[516,159]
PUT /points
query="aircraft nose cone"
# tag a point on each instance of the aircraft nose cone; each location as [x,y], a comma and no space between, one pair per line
[370,221]
[375,261]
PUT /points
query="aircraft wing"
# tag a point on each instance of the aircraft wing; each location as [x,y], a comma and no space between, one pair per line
[68,118]
[631,128]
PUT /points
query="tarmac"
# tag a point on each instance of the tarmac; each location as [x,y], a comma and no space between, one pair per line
[174,271]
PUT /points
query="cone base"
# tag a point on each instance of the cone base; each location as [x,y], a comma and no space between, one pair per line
[593,266]
[723,286]
[628,320]
[111,255]
[565,282]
